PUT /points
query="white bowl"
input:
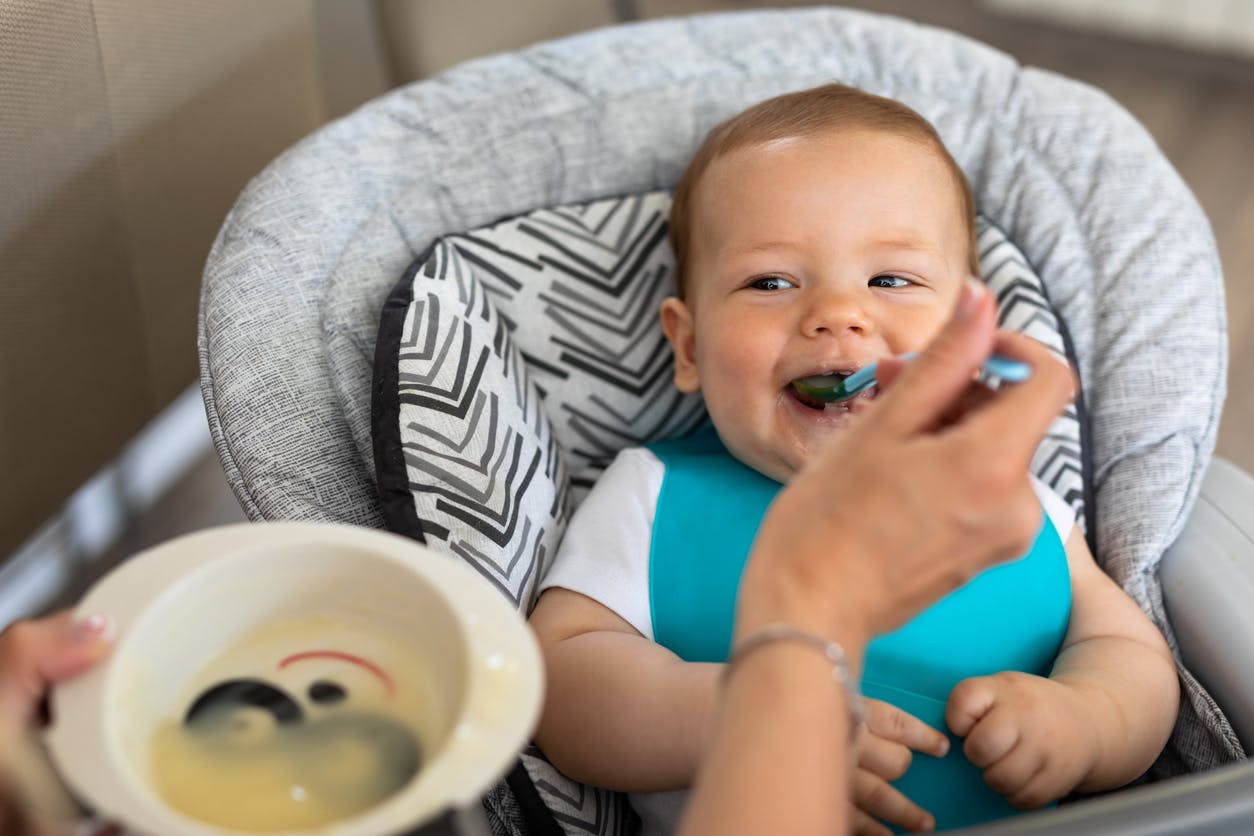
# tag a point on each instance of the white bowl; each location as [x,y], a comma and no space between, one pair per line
[178,606]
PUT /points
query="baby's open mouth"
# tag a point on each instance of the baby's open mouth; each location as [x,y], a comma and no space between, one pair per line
[818,392]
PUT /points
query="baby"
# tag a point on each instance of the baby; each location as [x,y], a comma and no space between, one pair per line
[815,233]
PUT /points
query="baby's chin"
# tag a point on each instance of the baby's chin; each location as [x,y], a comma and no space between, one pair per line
[771,464]
[781,458]
[797,434]
[807,441]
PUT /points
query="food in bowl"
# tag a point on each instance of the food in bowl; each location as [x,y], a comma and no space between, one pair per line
[304,722]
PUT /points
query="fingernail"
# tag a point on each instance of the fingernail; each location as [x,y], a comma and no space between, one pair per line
[943,749]
[93,628]
[929,824]
[969,299]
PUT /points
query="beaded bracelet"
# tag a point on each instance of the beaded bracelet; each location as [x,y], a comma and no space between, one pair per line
[835,654]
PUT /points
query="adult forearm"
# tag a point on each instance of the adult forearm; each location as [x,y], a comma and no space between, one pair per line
[781,735]
[632,717]
[1128,694]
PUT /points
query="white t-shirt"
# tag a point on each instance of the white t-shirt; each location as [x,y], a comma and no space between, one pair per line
[604,554]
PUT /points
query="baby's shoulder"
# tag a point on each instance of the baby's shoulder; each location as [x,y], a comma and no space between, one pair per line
[1056,508]
[635,459]
[634,470]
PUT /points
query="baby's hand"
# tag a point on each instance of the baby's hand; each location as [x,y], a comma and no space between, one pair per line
[884,754]
[1025,732]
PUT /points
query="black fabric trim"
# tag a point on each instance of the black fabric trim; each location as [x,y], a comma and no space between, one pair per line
[538,817]
[391,480]
[1086,433]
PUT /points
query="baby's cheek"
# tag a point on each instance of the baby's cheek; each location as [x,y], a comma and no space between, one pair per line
[736,346]
[731,373]
[915,331]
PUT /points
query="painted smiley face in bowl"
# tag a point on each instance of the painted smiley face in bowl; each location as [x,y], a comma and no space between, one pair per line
[302,723]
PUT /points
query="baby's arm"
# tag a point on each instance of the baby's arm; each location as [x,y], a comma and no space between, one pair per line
[620,711]
[624,713]
[1097,722]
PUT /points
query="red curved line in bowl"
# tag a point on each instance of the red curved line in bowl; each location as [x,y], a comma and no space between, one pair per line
[343,657]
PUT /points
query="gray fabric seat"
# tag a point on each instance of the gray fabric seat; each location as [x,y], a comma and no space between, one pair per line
[294,283]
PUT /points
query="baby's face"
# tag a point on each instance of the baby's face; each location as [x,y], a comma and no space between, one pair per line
[811,256]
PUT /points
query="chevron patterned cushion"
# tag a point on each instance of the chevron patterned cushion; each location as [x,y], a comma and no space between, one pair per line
[515,361]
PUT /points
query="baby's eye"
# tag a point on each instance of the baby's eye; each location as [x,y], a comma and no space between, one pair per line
[889,281]
[771,283]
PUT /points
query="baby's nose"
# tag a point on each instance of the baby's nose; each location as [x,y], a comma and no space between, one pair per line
[836,311]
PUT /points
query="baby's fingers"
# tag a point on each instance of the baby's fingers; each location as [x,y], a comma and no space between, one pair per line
[1011,774]
[887,721]
[1038,790]
[993,737]
[878,799]
[968,702]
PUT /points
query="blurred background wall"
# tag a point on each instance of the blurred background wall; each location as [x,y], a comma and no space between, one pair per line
[127,128]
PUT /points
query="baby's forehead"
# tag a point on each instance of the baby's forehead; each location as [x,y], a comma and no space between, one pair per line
[746,190]
[894,140]
[767,156]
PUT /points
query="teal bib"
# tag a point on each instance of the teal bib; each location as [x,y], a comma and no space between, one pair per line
[1011,617]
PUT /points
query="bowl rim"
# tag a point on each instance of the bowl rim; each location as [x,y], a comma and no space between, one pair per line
[476,754]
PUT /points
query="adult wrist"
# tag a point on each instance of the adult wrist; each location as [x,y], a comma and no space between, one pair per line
[780,635]
[773,600]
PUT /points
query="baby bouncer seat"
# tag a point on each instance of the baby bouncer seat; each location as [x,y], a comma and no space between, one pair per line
[295,283]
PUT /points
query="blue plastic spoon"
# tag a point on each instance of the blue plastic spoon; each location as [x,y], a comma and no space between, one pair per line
[830,389]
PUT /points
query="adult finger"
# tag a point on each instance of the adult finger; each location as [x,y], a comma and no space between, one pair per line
[865,825]
[885,802]
[884,758]
[876,797]
[888,370]
[31,795]
[1020,414]
[975,395]
[928,386]
[14,817]
[35,654]
[889,722]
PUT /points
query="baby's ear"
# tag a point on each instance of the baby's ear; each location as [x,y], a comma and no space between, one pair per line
[677,325]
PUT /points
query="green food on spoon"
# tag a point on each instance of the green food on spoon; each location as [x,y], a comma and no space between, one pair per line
[832,388]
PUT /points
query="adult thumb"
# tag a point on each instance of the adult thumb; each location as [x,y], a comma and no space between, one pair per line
[36,654]
[927,388]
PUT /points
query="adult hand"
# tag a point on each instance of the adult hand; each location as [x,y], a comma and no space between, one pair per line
[927,489]
[36,654]
[885,748]
[33,656]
